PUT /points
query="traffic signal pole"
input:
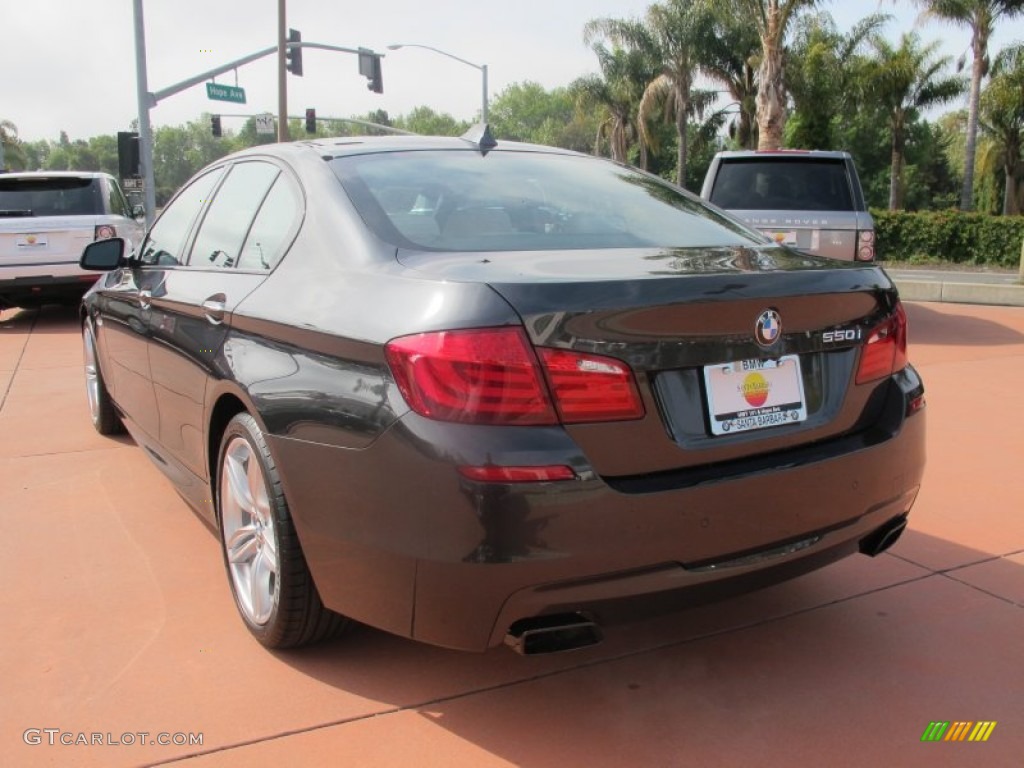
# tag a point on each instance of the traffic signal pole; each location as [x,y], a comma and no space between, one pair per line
[282,76]
[145,129]
[148,100]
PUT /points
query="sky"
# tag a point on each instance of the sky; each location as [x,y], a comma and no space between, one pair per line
[70,64]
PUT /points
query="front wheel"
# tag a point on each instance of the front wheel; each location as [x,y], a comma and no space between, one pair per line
[270,581]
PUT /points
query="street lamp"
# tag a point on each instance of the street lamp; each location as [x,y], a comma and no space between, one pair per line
[481,67]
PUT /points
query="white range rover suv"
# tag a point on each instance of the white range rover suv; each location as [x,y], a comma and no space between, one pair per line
[46,219]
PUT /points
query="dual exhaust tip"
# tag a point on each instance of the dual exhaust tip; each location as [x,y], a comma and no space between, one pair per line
[572,631]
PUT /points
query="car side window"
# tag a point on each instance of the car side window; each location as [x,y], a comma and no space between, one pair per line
[273,228]
[165,243]
[118,205]
[231,214]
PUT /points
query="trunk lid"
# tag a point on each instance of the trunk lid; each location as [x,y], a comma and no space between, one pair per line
[671,313]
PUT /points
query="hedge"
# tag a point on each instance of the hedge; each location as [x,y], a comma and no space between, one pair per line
[949,236]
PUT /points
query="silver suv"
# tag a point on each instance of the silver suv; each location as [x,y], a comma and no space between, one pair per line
[809,200]
[46,219]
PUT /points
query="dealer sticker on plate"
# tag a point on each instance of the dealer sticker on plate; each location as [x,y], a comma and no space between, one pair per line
[754,394]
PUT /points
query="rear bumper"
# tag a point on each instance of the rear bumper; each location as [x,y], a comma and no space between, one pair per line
[24,285]
[397,539]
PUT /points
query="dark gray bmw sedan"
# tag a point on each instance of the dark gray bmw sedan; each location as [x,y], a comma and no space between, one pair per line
[474,392]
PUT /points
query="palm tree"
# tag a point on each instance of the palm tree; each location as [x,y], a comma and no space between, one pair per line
[772,19]
[905,80]
[617,90]
[980,16]
[731,58]
[674,35]
[1002,124]
[10,146]
[822,68]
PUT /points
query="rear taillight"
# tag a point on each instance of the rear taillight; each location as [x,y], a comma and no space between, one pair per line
[104,232]
[494,376]
[885,352]
[866,245]
[486,376]
[590,387]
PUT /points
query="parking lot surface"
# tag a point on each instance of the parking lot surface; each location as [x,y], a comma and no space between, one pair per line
[119,630]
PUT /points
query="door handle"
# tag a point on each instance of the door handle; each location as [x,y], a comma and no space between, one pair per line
[214,307]
[145,298]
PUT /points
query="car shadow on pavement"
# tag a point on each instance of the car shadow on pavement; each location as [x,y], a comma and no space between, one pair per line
[932,326]
[865,645]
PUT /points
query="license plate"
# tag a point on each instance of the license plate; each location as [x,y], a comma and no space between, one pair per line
[754,394]
[31,241]
[785,238]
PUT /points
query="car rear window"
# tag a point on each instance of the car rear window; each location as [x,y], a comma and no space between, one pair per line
[54,196]
[464,200]
[782,184]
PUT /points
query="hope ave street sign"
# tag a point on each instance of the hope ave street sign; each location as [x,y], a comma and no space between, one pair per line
[219,92]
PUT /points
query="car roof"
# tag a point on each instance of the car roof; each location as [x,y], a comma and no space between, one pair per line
[341,146]
[827,154]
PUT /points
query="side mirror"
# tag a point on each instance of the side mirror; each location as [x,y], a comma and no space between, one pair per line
[138,211]
[103,255]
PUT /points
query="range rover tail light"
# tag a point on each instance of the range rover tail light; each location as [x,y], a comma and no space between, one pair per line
[866,245]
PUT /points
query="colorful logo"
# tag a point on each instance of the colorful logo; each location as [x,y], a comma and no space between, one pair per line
[30,239]
[768,328]
[958,731]
[755,389]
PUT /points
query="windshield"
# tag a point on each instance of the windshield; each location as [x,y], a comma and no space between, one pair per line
[782,184]
[462,200]
[55,196]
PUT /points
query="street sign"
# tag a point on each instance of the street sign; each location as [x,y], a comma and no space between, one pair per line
[131,183]
[265,124]
[219,92]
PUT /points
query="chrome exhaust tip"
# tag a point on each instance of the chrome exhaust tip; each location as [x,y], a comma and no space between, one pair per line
[878,541]
[551,634]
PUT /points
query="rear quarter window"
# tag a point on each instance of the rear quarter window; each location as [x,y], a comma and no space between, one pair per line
[782,184]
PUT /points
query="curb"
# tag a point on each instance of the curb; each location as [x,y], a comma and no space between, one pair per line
[961,293]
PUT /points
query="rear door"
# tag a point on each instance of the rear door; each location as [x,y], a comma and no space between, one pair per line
[244,232]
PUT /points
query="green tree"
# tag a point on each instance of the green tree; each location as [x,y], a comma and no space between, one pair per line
[11,153]
[730,57]
[822,68]
[527,112]
[425,121]
[674,34]
[980,16]
[1002,124]
[616,92]
[905,80]
[772,19]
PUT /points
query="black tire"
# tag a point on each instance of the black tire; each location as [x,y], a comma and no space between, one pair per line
[289,612]
[105,418]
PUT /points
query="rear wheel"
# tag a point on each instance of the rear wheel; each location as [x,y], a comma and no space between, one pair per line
[101,408]
[270,581]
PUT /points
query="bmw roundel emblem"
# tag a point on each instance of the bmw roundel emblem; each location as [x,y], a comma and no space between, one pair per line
[768,328]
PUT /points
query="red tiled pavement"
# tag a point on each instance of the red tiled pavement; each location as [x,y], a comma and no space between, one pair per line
[117,617]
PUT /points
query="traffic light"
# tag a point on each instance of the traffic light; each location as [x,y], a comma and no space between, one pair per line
[369,67]
[310,120]
[215,125]
[293,53]
[128,154]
